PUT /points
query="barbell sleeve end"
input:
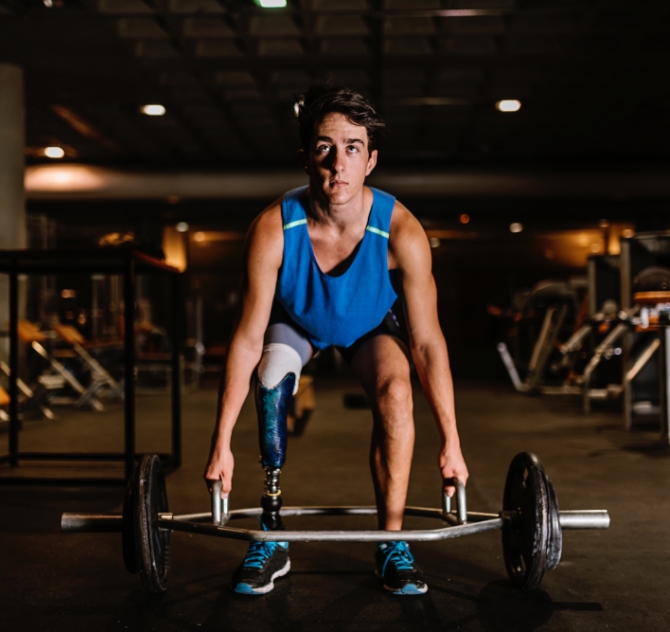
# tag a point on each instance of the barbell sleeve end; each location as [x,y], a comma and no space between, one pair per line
[91,523]
[585,519]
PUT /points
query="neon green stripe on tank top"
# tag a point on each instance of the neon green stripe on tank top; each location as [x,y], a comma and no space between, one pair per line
[297,222]
[377,231]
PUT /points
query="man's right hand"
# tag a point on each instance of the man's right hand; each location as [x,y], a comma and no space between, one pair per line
[220,468]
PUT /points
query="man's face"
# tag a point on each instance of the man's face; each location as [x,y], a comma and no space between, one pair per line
[338,159]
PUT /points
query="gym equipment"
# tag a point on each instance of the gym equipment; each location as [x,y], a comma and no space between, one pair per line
[559,300]
[29,334]
[101,381]
[4,401]
[123,266]
[530,521]
[655,315]
[31,398]
[645,267]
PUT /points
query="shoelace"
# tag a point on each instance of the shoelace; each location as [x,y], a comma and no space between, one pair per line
[399,554]
[259,553]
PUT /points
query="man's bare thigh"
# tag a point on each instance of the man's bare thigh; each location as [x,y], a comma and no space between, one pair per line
[379,360]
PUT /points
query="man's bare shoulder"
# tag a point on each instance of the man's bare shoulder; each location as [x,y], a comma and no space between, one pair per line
[268,224]
[265,238]
[408,242]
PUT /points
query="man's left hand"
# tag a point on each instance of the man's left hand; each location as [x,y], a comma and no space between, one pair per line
[452,465]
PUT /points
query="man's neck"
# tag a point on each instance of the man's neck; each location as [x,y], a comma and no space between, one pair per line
[352,212]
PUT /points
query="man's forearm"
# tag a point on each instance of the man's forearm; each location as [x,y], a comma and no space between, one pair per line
[240,364]
[432,365]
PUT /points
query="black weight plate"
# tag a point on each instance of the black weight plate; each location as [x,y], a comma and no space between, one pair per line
[525,537]
[153,544]
[555,543]
[128,530]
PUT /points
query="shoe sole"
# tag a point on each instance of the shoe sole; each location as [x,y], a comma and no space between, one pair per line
[407,589]
[246,589]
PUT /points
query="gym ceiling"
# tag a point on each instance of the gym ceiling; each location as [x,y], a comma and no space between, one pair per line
[592,76]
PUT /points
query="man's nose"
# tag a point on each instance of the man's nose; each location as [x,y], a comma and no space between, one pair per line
[337,164]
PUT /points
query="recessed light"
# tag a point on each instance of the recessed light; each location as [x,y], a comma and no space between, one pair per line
[271,4]
[54,152]
[515,227]
[182,227]
[153,109]
[464,218]
[508,105]
[199,236]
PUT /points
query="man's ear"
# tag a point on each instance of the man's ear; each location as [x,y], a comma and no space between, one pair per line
[303,158]
[372,162]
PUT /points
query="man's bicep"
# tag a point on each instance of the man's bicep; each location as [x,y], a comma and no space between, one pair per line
[262,262]
[420,295]
[419,289]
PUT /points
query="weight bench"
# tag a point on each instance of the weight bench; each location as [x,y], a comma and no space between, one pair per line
[4,401]
[100,377]
[33,398]
[31,335]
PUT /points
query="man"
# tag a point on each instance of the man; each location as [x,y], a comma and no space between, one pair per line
[322,267]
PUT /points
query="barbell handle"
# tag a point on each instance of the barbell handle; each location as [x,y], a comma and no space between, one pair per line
[219,505]
[461,500]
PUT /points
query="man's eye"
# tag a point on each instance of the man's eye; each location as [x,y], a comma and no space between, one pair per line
[322,149]
[352,148]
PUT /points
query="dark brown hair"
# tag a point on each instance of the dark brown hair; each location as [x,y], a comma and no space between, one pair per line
[320,100]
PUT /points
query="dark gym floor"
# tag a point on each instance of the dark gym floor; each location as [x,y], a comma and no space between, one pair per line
[615,579]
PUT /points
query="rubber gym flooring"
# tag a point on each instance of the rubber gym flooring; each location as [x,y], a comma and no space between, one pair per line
[607,580]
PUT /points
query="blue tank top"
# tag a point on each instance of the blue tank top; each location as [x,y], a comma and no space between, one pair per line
[336,310]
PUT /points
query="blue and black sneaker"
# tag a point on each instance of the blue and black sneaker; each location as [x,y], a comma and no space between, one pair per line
[264,562]
[396,568]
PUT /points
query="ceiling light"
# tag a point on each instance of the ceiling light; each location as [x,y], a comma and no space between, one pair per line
[515,227]
[199,236]
[434,242]
[508,105]
[54,152]
[181,227]
[627,232]
[271,4]
[464,218]
[153,109]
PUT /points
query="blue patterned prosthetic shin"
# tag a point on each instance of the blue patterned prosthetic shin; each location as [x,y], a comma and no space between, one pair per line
[272,409]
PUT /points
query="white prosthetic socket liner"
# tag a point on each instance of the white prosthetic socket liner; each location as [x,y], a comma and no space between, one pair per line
[279,360]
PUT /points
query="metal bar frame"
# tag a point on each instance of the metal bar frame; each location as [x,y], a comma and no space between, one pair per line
[125,264]
[13,364]
[129,365]
[204,523]
[176,372]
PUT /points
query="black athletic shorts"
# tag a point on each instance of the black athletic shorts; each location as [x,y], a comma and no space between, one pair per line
[392,325]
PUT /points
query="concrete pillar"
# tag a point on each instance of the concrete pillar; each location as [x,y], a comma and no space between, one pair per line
[12,196]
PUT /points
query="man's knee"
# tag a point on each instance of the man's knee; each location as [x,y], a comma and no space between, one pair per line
[395,394]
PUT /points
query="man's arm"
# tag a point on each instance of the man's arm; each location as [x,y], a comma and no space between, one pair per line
[263,258]
[410,251]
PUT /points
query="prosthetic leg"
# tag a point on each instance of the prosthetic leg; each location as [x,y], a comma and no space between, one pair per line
[278,375]
[272,405]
